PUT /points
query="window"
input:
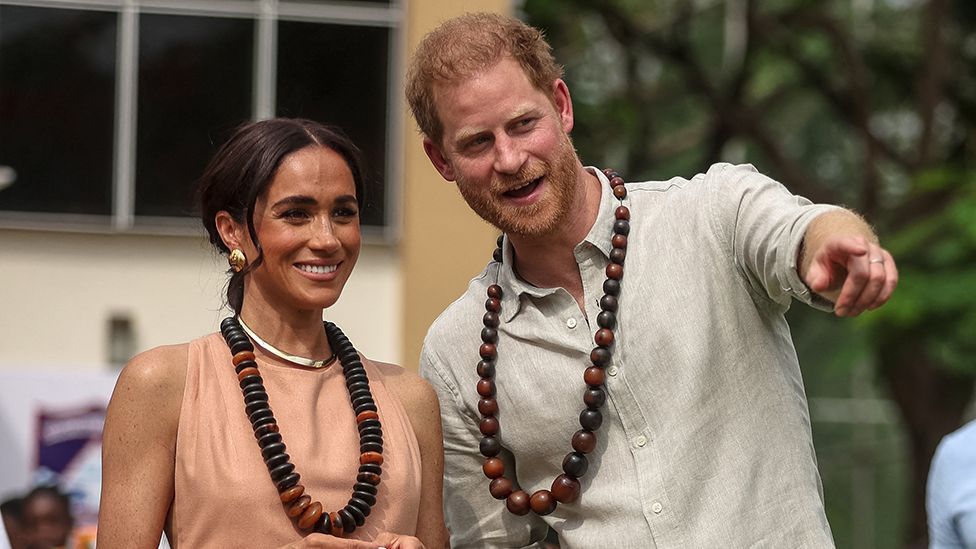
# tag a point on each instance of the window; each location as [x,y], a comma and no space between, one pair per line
[56,136]
[307,71]
[192,87]
[109,109]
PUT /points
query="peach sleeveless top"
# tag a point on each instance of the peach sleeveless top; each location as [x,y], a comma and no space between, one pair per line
[224,496]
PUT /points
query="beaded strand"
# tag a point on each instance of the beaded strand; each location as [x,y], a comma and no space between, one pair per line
[307,514]
[565,488]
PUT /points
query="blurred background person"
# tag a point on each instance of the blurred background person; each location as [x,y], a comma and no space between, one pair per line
[47,518]
[951,501]
[11,536]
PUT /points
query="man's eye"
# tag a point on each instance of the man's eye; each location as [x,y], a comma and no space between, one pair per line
[477,142]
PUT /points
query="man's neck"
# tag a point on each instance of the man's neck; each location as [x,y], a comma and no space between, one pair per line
[549,261]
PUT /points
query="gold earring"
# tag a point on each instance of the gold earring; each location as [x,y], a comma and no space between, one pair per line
[237,260]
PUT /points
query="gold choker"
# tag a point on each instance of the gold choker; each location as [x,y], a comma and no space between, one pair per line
[299,360]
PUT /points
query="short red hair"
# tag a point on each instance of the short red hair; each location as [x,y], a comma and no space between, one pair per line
[473,42]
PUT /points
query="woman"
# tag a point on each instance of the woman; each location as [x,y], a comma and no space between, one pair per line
[195,436]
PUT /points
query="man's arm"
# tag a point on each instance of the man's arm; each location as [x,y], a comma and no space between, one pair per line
[842,261]
[473,517]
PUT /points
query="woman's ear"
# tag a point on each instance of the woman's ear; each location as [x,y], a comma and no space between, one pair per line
[231,232]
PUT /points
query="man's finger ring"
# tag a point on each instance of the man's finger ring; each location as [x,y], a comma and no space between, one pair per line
[877,260]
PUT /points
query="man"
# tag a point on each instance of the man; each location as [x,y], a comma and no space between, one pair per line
[951,493]
[694,430]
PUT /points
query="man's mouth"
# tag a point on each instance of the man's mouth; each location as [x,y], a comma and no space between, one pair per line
[524,190]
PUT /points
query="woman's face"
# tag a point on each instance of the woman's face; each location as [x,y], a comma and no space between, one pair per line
[308,224]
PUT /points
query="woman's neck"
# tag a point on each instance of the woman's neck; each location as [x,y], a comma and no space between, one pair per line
[293,331]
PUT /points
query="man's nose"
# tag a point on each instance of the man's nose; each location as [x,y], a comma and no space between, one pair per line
[509,156]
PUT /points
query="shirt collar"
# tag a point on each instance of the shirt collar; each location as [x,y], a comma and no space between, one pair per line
[599,237]
[600,233]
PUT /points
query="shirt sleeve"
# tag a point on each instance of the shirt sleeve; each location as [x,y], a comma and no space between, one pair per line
[767,224]
[950,498]
[473,517]
[940,527]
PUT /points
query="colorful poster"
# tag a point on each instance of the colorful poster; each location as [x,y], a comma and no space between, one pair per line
[51,423]
[68,454]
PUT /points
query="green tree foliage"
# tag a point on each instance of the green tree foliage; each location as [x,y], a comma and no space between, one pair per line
[866,103]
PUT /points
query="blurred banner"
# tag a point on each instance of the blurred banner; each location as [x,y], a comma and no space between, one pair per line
[51,423]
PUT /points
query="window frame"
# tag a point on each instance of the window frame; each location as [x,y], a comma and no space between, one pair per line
[265,14]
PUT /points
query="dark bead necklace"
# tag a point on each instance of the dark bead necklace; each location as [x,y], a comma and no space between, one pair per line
[565,488]
[309,515]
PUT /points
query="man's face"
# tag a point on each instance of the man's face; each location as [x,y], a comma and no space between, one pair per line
[506,144]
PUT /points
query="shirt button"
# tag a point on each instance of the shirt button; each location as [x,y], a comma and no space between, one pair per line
[612,370]
[571,323]
[640,441]
[657,507]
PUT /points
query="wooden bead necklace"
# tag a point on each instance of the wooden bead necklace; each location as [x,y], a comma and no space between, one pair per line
[565,488]
[309,515]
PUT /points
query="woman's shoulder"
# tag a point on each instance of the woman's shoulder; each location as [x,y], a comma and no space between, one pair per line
[157,375]
[419,401]
[413,391]
[167,364]
[158,363]
[145,406]
[386,369]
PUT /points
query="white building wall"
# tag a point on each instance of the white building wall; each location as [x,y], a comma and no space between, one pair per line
[58,291]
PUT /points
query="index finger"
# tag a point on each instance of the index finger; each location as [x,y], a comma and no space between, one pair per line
[855,283]
[325,541]
[856,246]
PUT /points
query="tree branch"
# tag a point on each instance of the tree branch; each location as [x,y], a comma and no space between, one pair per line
[732,114]
[931,80]
[845,103]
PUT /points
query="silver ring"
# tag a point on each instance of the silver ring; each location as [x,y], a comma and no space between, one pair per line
[876,260]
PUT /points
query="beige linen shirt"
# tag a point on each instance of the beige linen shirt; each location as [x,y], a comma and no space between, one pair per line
[706,438]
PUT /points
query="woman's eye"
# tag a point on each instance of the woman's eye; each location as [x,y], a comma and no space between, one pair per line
[294,214]
[346,212]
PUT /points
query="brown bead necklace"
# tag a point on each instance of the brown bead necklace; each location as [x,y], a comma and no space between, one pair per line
[307,514]
[565,487]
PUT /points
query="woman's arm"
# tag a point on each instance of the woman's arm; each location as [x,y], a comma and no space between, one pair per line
[139,448]
[420,402]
